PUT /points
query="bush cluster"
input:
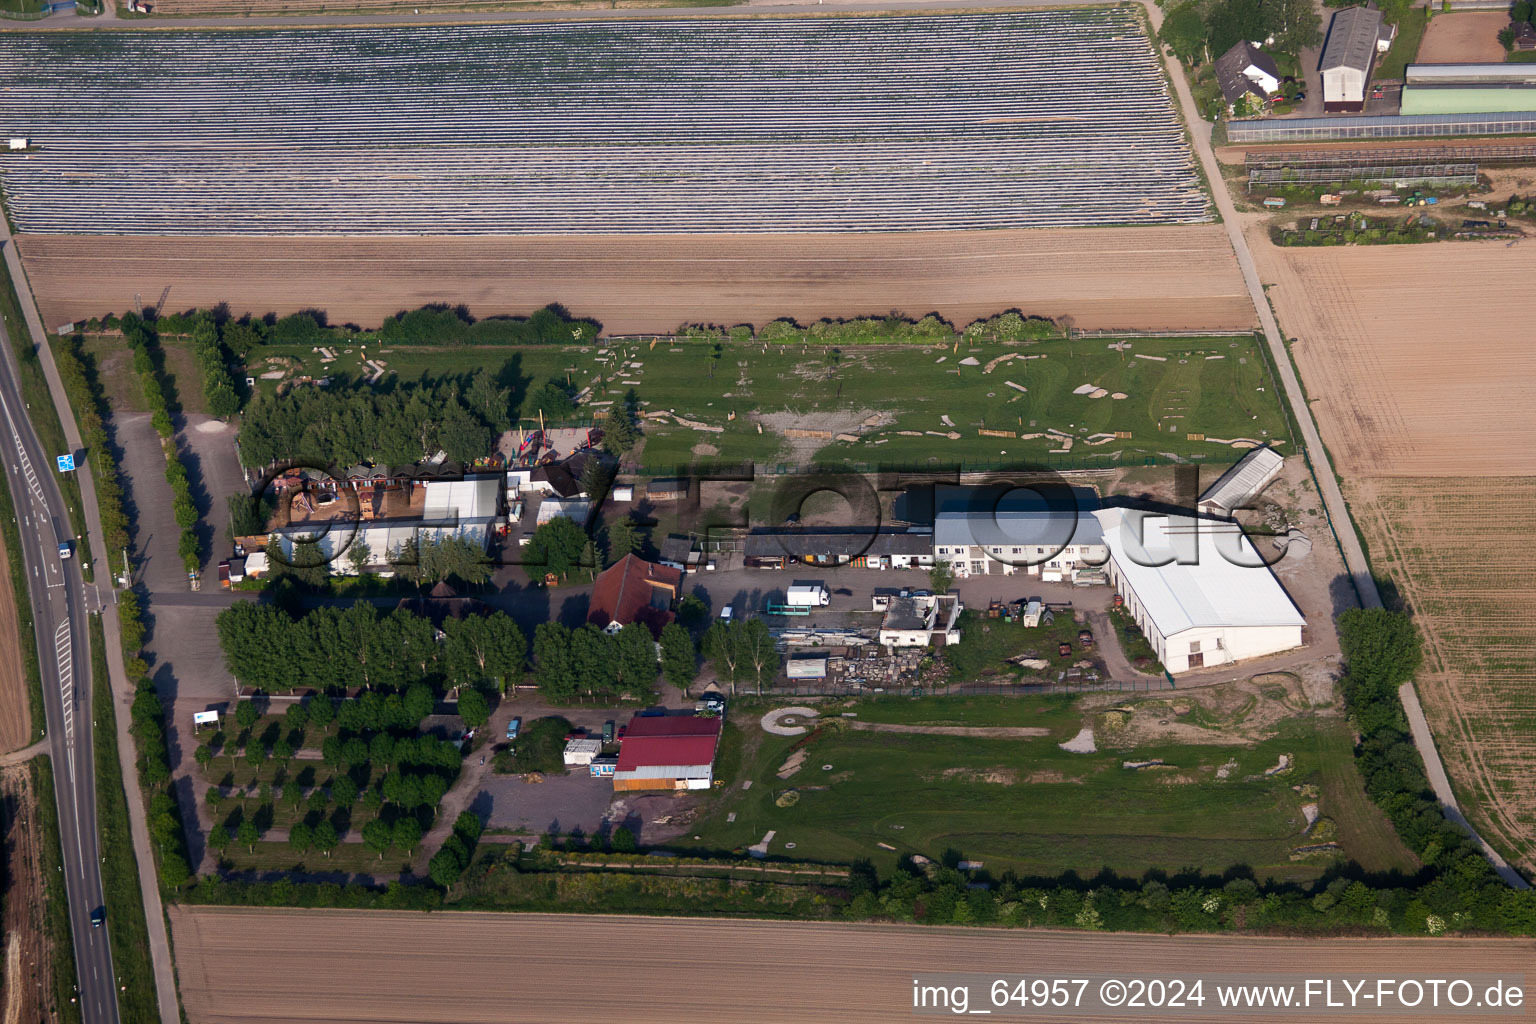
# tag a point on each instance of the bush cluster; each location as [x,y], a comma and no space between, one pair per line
[448,864]
[351,422]
[285,893]
[443,325]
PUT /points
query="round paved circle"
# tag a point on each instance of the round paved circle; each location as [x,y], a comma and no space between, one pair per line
[777,722]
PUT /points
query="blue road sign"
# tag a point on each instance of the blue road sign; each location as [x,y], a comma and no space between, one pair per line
[66,463]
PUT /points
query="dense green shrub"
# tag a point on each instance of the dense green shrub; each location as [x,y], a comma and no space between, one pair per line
[442,325]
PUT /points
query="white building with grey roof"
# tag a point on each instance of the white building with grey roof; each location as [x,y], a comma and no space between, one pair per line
[1355,37]
[981,532]
[1198,589]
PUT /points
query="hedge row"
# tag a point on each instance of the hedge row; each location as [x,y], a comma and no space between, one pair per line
[154,761]
[90,412]
[212,359]
[893,329]
[142,340]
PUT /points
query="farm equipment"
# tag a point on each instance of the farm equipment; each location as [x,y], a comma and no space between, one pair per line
[1085,638]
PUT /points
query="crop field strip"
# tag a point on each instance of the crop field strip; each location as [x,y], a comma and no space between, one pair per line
[1038,119]
[1425,395]
[1457,552]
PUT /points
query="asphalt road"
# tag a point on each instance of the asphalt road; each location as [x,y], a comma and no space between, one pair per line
[59,606]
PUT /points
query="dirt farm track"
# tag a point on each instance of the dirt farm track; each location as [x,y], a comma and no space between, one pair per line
[465,968]
[1152,278]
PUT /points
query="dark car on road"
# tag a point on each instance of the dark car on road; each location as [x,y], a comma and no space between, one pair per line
[98,917]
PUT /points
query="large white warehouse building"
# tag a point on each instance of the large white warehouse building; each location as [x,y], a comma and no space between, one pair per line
[1198,589]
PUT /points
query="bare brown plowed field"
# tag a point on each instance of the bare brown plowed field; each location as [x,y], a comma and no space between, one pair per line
[1151,278]
[1416,357]
[323,966]
[1417,361]
[15,706]
[27,992]
[1466,36]
[1459,550]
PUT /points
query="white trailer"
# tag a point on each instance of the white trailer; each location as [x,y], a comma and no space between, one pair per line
[1032,612]
[808,595]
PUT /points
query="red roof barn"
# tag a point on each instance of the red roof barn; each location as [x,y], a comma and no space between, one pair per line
[634,590]
[668,752]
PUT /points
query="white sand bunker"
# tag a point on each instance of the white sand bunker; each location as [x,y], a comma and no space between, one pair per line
[1082,743]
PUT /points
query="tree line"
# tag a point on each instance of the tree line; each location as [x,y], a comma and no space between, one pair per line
[85,397]
[445,325]
[1199,31]
[741,651]
[360,647]
[1381,651]
[890,329]
[429,325]
[589,662]
[147,717]
[219,390]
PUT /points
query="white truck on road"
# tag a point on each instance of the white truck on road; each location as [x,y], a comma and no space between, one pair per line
[808,595]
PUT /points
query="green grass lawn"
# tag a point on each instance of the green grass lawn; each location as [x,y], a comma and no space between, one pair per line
[51,864]
[1410,33]
[1028,806]
[125,390]
[119,865]
[347,858]
[1183,391]
[34,390]
[990,642]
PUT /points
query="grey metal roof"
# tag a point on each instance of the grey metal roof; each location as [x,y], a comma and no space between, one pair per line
[969,515]
[1352,39]
[903,613]
[834,543]
[1384,126]
[1245,479]
[1470,74]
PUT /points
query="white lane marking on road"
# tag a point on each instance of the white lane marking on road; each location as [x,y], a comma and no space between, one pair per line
[26,462]
[64,654]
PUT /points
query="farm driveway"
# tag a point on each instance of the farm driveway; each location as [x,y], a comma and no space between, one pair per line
[209,451]
[986,732]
